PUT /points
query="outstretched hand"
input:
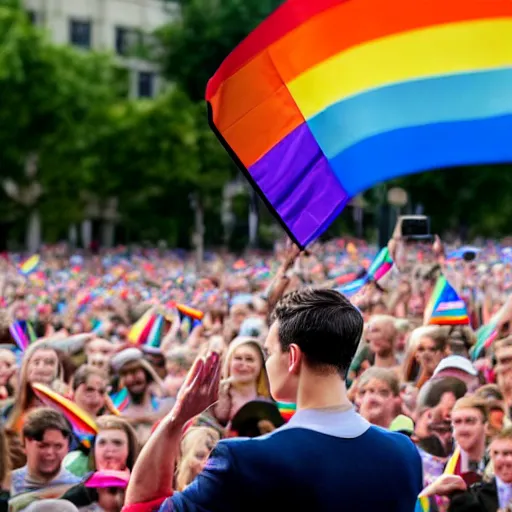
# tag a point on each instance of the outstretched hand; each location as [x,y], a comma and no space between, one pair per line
[200,389]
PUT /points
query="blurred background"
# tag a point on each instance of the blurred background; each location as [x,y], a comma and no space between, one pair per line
[104,136]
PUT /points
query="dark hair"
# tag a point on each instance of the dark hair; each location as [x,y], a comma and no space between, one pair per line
[323,323]
[84,372]
[431,393]
[42,419]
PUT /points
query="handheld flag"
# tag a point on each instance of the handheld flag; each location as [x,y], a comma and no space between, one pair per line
[380,266]
[83,425]
[323,100]
[30,264]
[445,307]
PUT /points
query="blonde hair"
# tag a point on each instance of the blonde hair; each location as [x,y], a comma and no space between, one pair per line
[386,375]
[194,439]
[390,323]
[434,332]
[262,384]
[25,395]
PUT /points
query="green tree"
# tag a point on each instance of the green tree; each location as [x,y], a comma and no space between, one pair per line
[52,97]
[194,46]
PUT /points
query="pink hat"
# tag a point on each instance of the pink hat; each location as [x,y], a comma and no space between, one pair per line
[108,478]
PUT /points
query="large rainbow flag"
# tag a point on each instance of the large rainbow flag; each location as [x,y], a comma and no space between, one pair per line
[328,97]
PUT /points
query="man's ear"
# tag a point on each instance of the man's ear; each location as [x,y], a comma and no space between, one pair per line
[295,357]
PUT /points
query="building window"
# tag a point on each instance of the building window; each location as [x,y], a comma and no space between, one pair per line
[127,40]
[80,33]
[146,87]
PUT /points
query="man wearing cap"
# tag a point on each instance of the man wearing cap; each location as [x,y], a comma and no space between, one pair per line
[137,400]
[460,368]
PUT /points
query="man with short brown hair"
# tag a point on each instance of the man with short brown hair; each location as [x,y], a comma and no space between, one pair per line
[46,436]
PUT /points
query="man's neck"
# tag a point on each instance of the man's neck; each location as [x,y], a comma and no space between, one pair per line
[36,476]
[383,422]
[321,391]
[140,398]
[246,390]
[385,360]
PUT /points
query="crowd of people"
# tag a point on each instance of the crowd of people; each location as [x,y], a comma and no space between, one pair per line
[128,379]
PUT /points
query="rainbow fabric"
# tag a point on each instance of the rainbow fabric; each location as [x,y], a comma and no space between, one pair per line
[454,463]
[325,98]
[380,266]
[422,504]
[121,399]
[19,336]
[83,425]
[30,264]
[445,307]
[287,410]
[486,335]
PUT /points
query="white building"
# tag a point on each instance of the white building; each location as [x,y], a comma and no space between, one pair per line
[120,26]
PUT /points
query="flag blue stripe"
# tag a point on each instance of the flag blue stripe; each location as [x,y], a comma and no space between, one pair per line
[460,97]
[421,148]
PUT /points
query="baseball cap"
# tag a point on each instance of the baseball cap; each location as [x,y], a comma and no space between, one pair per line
[456,363]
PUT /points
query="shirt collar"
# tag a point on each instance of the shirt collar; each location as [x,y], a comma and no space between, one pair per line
[504,492]
[346,424]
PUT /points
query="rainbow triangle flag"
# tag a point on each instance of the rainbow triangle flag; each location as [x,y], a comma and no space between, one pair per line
[326,98]
[445,307]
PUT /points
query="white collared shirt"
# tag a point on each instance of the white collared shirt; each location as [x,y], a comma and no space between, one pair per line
[504,493]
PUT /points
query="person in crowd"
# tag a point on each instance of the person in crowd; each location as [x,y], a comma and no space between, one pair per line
[381,334]
[195,448]
[380,400]
[115,446]
[244,378]
[46,437]
[487,496]
[470,422]
[40,365]
[460,368]
[430,347]
[311,342]
[140,406]
[89,387]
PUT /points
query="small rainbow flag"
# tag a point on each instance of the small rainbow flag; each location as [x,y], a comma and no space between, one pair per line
[422,504]
[142,327]
[287,410]
[326,98]
[445,307]
[19,336]
[121,399]
[83,425]
[30,264]
[454,463]
[487,334]
[154,337]
[380,266]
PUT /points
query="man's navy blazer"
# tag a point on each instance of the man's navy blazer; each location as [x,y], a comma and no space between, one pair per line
[321,461]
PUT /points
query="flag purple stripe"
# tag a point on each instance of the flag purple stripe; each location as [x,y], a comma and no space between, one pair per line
[298,182]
